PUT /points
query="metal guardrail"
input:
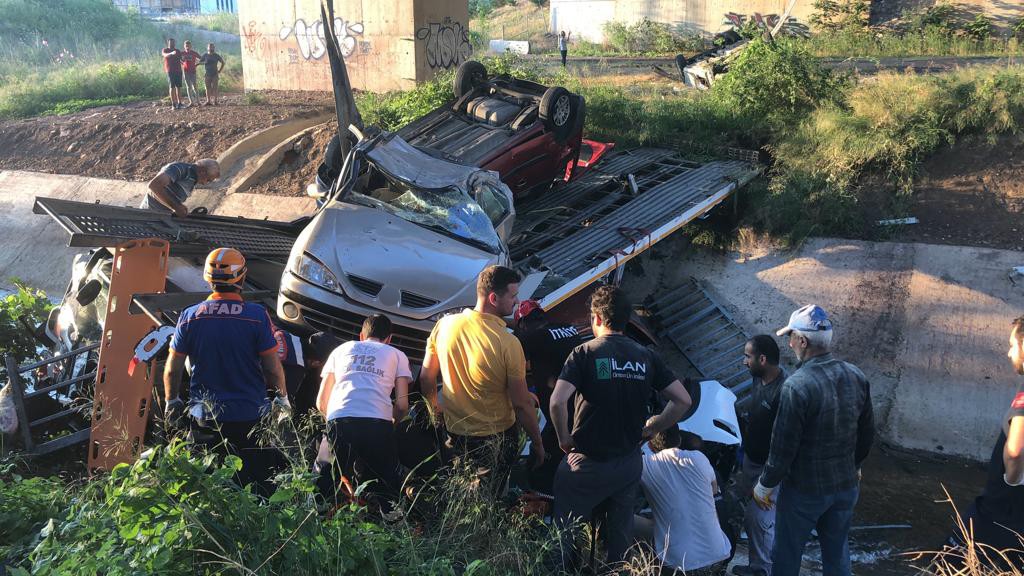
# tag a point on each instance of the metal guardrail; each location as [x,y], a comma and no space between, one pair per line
[30,444]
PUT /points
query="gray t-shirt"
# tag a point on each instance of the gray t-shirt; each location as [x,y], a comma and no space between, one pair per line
[183,180]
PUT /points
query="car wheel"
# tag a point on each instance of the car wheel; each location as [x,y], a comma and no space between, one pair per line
[469,75]
[557,110]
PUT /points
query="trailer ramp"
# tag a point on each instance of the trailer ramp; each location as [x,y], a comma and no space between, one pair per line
[632,200]
[705,333]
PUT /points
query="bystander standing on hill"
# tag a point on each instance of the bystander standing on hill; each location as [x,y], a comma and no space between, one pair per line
[823,432]
[172,66]
[189,58]
[213,64]
[563,45]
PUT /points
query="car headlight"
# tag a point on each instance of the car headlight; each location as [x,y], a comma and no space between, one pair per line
[440,315]
[311,270]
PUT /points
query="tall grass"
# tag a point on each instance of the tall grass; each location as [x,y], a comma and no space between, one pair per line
[931,41]
[225,22]
[70,54]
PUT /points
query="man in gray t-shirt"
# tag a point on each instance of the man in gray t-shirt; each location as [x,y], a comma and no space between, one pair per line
[169,189]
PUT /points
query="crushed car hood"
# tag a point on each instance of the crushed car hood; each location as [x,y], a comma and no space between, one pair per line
[386,262]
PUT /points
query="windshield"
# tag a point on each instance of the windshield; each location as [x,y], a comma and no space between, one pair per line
[449,211]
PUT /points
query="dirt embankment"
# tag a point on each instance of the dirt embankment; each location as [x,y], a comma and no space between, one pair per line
[133,141]
[299,165]
[971,195]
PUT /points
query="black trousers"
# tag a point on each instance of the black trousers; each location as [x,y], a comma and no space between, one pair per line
[490,457]
[365,453]
[259,464]
[564,54]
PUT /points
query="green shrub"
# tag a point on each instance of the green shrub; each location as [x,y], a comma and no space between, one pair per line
[26,303]
[643,37]
[979,29]
[777,82]
[26,504]
[836,15]
[175,512]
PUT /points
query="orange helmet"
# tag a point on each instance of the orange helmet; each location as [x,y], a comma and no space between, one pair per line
[224,266]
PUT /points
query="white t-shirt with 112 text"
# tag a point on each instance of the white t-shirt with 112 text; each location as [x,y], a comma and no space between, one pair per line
[364,377]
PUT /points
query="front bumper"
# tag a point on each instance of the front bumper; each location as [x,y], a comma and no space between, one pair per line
[305,309]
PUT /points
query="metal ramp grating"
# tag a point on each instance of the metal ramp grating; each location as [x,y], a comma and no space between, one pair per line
[93,225]
[705,333]
[672,191]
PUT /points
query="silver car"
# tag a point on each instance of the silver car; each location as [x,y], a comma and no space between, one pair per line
[404,233]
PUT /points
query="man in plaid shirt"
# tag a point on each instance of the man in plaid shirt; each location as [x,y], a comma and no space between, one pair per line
[822,434]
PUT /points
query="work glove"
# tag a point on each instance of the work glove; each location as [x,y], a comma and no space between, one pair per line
[763,496]
[174,414]
[281,409]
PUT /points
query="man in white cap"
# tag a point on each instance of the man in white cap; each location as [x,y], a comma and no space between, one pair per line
[822,434]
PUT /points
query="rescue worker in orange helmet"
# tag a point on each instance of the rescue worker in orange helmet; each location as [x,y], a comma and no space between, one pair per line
[231,347]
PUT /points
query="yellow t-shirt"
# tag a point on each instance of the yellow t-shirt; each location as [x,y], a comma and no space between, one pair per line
[477,357]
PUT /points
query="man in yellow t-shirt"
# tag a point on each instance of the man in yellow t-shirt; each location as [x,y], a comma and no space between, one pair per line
[483,372]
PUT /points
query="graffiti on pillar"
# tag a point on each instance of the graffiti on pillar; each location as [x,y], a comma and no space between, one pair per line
[792,26]
[312,42]
[253,40]
[447,43]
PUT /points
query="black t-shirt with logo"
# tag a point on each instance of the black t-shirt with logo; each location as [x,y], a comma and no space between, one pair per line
[546,349]
[1002,503]
[614,377]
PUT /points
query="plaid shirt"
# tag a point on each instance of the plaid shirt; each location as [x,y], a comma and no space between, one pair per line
[824,428]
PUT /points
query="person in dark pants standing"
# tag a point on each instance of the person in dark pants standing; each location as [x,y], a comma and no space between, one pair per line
[172,66]
[355,398]
[996,518]
[213,65]
[757,417]
[233,355]
[613,378]
[563,45]
[546,345]
[822,433]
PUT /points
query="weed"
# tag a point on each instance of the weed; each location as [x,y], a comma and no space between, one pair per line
[254,98]
[24,307]
[643,37]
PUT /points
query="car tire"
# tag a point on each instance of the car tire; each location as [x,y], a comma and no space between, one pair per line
[468,77]
[557,111]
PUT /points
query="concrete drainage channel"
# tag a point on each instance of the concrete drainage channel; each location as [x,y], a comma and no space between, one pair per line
[256,157]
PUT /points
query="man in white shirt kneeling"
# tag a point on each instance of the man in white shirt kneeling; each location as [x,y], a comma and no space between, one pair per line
[355,397]
[680,487]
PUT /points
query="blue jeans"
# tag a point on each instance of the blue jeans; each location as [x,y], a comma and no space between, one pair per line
[797,514]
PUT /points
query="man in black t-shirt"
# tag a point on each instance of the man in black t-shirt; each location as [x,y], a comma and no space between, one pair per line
[546,345]
[757,413]
[613,378]
[997,516]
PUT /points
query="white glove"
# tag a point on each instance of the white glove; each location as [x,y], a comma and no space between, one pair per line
[1008,483]
[283,408]
[763,496]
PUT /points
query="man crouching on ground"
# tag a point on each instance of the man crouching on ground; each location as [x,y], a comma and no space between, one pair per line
[169,189]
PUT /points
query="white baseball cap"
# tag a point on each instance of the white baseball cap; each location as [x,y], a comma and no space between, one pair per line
[810,318]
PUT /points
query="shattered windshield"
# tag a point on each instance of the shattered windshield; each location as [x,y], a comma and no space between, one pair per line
[449,211]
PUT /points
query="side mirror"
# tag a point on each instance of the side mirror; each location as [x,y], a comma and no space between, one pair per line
[88,292]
